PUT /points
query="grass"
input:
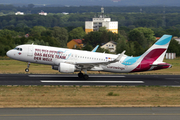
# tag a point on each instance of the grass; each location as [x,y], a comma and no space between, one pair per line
[63,96]
[112,94]
[9,66]
[18,67]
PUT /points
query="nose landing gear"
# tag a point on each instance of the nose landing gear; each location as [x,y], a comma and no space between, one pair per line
[28,65]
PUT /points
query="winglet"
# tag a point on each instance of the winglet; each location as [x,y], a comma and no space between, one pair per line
[94,50]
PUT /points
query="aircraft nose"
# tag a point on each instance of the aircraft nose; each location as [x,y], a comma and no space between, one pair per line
[8,53]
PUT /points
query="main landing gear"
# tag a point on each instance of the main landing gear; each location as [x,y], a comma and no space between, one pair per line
[84,76]
[27,69]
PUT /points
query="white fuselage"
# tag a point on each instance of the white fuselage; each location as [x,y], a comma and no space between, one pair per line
[53,56]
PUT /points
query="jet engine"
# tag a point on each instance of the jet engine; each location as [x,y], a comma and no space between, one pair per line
[66,68]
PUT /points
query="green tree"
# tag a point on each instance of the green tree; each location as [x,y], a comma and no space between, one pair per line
[139,50]
[37,30]
[61,35]
[144,36]
[51,41]
[6,43]
[131,49]
[88,47]
[121,45]
[148,34]
[38,42]
[102,50]
[7,32]
[76,33]
[174,47]
[100,37]
[136,35]
[101,29]
[47,33]
[159,31]
[93,38]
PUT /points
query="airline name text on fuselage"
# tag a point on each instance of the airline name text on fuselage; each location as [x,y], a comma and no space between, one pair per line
[47,55]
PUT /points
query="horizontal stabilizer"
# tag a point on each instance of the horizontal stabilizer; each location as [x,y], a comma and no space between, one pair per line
[159,65]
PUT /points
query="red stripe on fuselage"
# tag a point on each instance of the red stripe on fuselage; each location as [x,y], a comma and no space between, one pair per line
[148,60]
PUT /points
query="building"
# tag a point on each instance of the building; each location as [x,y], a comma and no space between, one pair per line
[65,13]
[42,13]
[111,46]
[170,55]
[178,39]
[75,43]
[19,13]
[101,21]
[26,36]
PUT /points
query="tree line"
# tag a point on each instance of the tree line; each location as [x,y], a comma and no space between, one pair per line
[135,41]
[170,24]
[31,8]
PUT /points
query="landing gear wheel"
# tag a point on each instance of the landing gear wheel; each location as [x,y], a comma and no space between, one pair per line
[85,77]
[27,70]
[80,75]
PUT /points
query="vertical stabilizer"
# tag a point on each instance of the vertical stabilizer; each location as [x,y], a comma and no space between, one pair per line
[158,50]
[154,55]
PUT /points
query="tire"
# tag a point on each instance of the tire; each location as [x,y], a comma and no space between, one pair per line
[80,75]
[26,70]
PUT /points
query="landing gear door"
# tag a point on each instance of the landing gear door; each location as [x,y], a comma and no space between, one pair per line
[30,51]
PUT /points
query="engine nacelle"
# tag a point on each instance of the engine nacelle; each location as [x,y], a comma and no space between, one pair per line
[66,68]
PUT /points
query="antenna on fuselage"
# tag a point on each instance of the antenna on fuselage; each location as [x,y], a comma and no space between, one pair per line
[32,43]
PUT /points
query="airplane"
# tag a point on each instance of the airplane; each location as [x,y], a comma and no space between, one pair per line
[69,60]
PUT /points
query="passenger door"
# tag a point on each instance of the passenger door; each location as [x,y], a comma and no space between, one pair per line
[30,51]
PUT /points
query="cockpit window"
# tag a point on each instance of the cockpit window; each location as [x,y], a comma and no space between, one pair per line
[19,49]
